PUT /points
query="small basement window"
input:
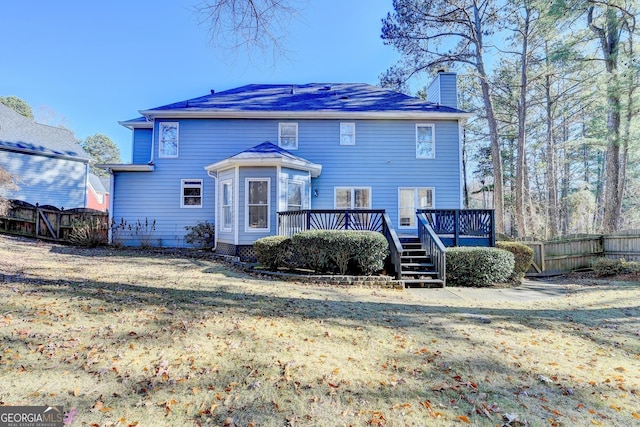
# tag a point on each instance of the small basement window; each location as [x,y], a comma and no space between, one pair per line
[191,190]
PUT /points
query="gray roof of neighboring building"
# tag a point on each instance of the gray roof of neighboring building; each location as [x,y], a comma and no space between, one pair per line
[18,133]
[96,182]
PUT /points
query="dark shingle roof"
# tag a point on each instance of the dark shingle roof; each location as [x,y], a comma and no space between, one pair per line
[267,154]
[312,97]
[18,133]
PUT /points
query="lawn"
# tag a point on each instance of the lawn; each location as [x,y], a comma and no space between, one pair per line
[127,338]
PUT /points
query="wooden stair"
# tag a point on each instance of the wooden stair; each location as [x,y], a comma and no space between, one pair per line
[417,270]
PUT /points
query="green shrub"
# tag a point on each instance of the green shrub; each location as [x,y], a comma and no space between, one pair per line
[201,235]
[89,232]
[475,266]
[312,248]
[361,252]
[273,251]
[371,248]
[611,267]
[523,257]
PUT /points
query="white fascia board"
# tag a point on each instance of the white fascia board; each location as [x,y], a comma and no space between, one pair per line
[314,114]
[118,167]
[136,125]
[313,169]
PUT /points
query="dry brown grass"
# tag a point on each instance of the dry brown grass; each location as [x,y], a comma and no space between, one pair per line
[131,338]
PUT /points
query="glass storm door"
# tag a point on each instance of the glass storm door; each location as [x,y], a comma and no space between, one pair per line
[410,199]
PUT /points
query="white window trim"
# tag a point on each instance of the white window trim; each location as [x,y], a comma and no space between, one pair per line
[353,139]
[222,205]
[246,204]
[280,125]
[184,185]
[415,192]
[302,195]
[353,198]
[433,140]
[161,155]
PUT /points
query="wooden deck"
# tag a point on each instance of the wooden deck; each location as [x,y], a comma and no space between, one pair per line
[438,229]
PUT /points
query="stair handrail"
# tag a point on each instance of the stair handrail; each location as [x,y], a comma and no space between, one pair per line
[395,246]
[433,246]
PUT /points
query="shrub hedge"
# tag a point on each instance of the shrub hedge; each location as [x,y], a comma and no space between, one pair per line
[273,251]
[604,267]
[324,251]
[478,266]
[341,251]
[523,257]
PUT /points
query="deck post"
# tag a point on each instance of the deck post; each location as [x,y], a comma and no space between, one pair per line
[36,214]
[456,226]
[493,228]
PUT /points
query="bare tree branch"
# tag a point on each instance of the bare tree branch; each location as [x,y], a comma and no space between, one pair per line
[256,26]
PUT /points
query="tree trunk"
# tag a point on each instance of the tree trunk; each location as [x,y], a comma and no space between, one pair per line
[552,178]
[465,187]
[521,170]
[496,157]
[609,37]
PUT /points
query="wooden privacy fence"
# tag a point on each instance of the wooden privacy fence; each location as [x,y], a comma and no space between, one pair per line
[46,221]
[578,251]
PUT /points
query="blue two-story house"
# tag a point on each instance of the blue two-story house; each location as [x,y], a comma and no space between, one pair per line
[241,157]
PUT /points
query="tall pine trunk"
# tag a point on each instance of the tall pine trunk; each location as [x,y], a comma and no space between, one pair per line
[492,123]
[609,36]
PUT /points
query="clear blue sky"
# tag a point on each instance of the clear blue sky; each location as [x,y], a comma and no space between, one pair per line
[88,64]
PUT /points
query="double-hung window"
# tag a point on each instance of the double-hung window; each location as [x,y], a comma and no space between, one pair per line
[257,196]
[353,198]
[227,205]
[168,140]
[191,191]
[425,141]
[288,136]
[347,134]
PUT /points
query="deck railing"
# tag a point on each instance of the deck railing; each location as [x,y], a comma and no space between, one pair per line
[291,222]
[433,246]
[462,227]
[395,246]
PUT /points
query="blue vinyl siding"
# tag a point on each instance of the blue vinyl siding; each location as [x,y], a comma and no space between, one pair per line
[47,180]
[443,90]
[140,196]
[142,143]
[383,158]
[448,90]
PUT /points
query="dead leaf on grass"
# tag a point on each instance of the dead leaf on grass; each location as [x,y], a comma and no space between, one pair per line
[464,419]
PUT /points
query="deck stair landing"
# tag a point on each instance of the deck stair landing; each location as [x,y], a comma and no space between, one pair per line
[417,270]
